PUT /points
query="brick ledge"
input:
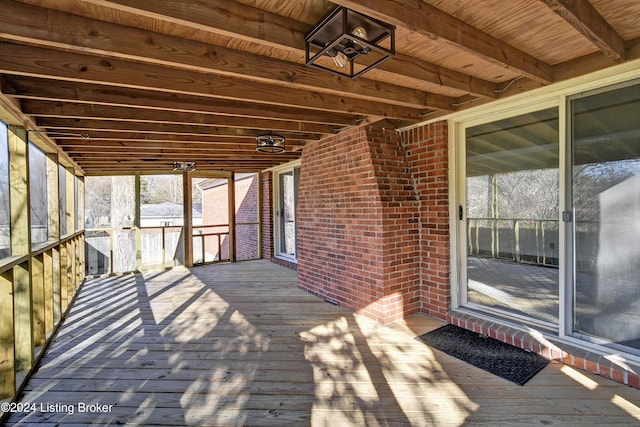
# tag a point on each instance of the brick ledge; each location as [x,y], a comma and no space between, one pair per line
[550,348]
[284,263]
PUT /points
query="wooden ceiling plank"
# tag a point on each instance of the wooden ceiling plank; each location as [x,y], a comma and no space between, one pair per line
[582,16]
[224,17]
[46,63]
[38,88]
[593,62]
[427,20]
[282,33]
[102,112]
[52,29]
[403,65]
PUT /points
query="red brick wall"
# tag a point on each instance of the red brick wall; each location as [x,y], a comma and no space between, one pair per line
[215,211]
[374,235]
[426,149]
[246,203]
[358,231]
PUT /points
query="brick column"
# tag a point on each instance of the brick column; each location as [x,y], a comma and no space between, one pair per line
[358,227]
[426,148]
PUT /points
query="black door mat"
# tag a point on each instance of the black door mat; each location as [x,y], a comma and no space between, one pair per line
[506,361]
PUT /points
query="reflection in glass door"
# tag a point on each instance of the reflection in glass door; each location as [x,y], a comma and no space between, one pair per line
[286,212]
[606,202]
[512,216]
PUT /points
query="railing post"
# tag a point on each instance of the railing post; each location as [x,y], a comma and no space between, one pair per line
[232,218]
[188,220]
[111,252]
[164,247]
[537,228]
[47,260]
[38,299]
[7,337]
[137,224]
[516,235]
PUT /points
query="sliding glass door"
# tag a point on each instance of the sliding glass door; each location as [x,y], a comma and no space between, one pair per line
[288,183]
[512,209]
[549,223]
[606,204]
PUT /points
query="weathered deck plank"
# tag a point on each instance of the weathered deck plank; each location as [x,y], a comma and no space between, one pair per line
[239,344]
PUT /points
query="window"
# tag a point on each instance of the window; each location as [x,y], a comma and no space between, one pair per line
[38,195]
[286,183]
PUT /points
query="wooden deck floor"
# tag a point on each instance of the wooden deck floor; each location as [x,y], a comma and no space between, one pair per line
[239,344]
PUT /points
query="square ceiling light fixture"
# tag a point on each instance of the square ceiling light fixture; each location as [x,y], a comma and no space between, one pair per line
[349,43]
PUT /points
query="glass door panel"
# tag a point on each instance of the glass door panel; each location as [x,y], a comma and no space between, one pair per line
[606,202]
[512,198]
[288,196]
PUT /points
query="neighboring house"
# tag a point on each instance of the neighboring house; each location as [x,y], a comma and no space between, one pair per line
[215,212]
[167,214]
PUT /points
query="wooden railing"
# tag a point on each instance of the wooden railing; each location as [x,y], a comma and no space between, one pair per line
[126,249]
[35,292]
[201,233]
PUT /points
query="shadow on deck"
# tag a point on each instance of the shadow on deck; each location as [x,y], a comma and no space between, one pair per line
[239,344]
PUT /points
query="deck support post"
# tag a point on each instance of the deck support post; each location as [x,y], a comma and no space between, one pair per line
[21,245]
[232,216]
[188,219]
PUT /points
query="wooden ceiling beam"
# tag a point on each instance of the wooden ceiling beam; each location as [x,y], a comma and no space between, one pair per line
[92,158]
[582,16]
[58,30]
[166,164]
[38,88]
[224,17]
[85,145]
[594,62]
[403,65]
[51,64]
[103,112]
[121,138]
[96,136]
[54,124]
[104,167]
[204,154]
[427,20]
[243,22]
